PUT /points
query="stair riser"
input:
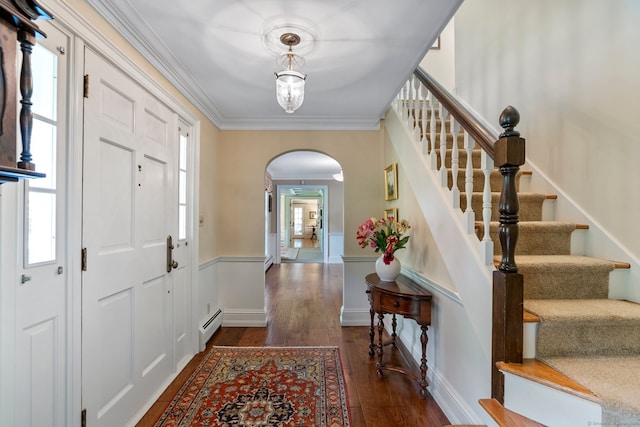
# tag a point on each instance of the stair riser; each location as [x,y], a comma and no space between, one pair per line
[541,283]
[568,339]
[478,180]
[530,206]
[547,405]
[533,241]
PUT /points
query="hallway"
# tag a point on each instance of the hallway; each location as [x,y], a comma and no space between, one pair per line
[302,250]
[303,302]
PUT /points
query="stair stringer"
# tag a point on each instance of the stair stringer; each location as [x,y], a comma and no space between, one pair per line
[473,282]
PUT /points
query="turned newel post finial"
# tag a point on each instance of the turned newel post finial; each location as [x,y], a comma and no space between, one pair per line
[509,156]
[509,119]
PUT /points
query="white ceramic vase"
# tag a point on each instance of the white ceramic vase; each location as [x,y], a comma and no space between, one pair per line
[388,272]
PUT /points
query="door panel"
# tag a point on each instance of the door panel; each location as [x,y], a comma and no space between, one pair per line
[41,340]
[129,208]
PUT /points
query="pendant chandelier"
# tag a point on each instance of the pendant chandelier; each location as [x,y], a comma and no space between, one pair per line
[290,81]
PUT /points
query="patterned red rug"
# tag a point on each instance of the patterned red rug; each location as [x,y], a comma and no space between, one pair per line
[262,386]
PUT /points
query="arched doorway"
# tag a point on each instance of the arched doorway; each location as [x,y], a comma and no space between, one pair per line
[306,202]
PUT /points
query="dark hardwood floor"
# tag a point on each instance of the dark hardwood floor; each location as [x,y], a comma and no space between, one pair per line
[303,303]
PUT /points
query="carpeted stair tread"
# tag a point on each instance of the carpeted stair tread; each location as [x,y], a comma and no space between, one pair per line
[587,327]
[564,276]
[614,379]
[535,237]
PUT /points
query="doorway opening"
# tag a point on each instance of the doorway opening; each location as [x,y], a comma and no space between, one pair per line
[304,199]
[301,223]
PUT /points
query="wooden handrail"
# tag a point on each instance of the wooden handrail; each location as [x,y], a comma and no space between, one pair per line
[480,134]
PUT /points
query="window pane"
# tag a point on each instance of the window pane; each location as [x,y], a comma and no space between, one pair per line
[183,152]
[182,222]
[41,227]
[43,149]
[45,70]
[182,192]
[297,221]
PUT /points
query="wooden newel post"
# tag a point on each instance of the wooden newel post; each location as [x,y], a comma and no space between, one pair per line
[508,290]
[17,23]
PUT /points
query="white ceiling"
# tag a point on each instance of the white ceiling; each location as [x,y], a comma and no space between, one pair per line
[222,54]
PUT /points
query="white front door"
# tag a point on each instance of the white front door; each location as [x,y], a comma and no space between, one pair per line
[130,208]
[42,375]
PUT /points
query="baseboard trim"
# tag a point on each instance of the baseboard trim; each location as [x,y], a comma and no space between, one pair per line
[355,317]
[244,318]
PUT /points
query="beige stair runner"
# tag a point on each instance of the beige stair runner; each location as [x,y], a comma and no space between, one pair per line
[583,334]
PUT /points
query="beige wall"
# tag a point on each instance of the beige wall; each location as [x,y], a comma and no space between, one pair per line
[421,254]
[210,181]
[571,68]
[242,157]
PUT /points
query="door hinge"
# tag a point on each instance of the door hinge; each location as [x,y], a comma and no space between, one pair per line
[86,85]
[83,418]
[84,259]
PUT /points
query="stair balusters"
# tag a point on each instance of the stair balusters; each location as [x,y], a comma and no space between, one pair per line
[508,155]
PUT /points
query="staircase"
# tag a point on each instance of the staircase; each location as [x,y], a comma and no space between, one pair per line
[582,349]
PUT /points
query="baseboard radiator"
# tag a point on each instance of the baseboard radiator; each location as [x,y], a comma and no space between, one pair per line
[209,327]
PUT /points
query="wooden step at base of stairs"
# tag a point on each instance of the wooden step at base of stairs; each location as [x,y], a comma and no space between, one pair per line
[534,370]
[504,417]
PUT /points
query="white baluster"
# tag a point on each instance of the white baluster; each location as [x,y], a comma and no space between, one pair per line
[424,119]
[443,146]
[455,191]
[469,215]
[405,104]
[432,133]
[410,102]
[487,243]
[416,108]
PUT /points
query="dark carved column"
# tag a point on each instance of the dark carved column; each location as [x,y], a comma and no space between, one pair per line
[508,290]
[27,41]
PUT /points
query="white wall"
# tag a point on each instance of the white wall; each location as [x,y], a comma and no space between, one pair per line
[440,63]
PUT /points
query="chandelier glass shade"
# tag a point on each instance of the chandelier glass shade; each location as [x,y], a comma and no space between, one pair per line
[290,81]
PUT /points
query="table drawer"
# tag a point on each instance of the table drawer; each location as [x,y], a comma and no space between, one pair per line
[399,305]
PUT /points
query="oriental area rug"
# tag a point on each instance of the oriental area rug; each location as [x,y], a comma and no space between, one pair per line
[262,386]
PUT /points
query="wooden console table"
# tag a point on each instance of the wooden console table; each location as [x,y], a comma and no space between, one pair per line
[401,297]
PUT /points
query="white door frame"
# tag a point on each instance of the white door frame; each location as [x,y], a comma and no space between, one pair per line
[325,225]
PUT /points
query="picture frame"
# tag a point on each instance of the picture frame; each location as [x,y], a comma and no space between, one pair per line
[436,44]
[312,215]
[391,214]
[391,182]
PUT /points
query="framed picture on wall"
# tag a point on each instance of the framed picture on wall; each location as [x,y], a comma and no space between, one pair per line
[391,182]
[391,214]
